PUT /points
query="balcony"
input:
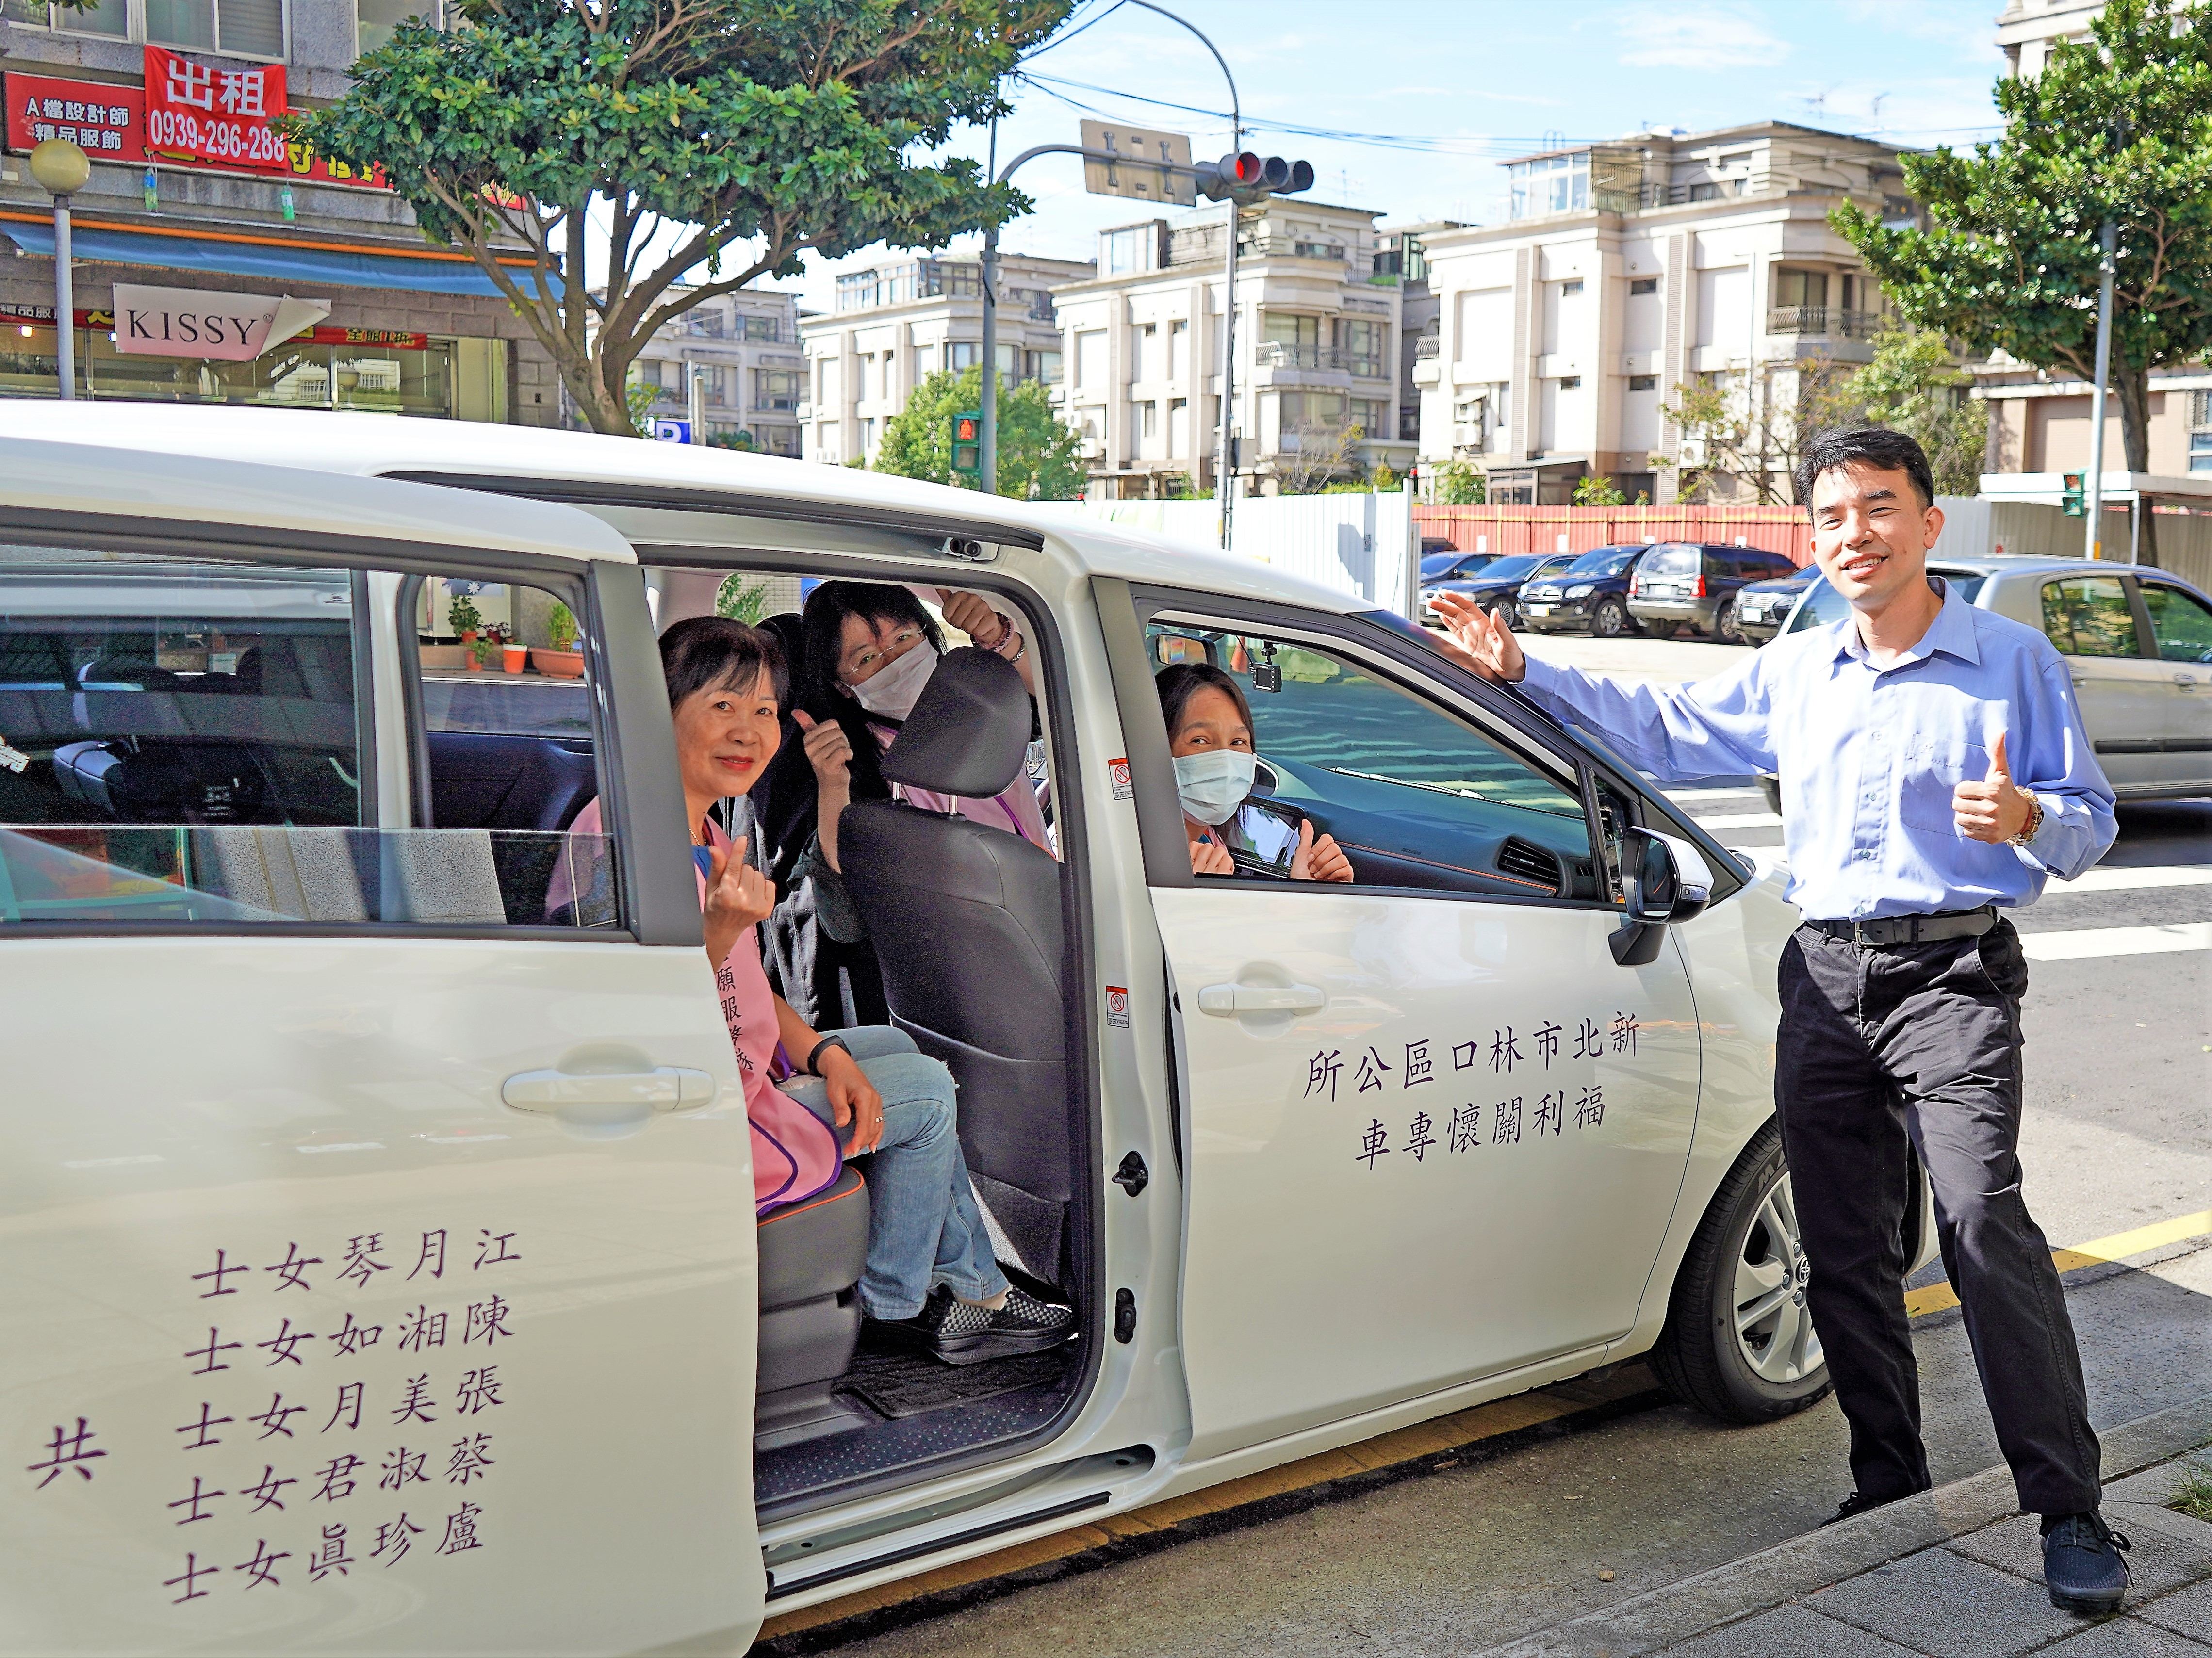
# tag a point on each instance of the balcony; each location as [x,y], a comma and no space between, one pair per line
[1825,322]
[1428,345]
[1319,358]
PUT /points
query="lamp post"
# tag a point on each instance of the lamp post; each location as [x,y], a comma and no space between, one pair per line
[62,170]
[2095,493]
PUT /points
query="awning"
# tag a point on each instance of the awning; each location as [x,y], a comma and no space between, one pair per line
[278,261]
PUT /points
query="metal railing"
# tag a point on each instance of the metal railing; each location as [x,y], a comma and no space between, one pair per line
[1278,354]
[1833,322]
[1427,346]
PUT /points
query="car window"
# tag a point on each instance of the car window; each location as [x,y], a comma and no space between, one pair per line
[2089,615]
[2179,623]
[1671,561]
[194,749]
[1415,795]
[1967,584]
[1603,561]
[1516,567]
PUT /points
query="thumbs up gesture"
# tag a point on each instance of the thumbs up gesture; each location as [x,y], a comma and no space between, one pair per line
[1992,809]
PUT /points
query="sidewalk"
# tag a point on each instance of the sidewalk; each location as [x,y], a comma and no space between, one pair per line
[1955,1573]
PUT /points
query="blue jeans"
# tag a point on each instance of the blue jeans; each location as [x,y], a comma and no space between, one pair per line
[924,1227]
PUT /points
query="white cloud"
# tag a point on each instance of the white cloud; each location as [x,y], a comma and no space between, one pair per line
[1708,37]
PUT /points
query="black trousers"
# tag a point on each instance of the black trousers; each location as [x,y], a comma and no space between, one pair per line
[1924,1040]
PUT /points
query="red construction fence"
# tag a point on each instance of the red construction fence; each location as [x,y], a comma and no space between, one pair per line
[1783,530]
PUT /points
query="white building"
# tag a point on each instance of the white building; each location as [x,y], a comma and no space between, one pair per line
[744,349]
[1316,346]
[900,323]
[2027,29]
[1629,270]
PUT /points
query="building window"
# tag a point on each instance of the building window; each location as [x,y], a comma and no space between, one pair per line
[1571,382]
[777,388]
[1148,418]
[1371,417]
[764,327]
[1801,288]
[857,291]
[1569,289]
[1132,248]
[1550,183]
[1644,382]
[1643,285]
[1296,409]
[961,356]
[1707,191]
[374,20]
[1045,366]
[236,28]
[1360,341]
[2200,431]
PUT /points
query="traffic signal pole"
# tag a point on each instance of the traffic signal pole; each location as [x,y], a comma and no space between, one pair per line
[2093,489]
[987,458]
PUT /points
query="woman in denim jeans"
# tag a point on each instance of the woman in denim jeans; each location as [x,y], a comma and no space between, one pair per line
[932,1281]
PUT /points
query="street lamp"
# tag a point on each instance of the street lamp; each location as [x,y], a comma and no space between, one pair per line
[61,169]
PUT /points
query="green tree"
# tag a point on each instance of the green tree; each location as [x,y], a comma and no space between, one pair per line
[1916,384]
[1458,483]
[741,599]
[1039,458]
[629,144]
[2118,128]
[1594,489]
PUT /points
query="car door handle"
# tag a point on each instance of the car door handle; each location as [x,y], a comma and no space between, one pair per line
[2187,681]
[1229,1000]
[664,1087]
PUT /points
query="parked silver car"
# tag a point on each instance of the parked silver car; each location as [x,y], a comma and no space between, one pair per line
[2137,643]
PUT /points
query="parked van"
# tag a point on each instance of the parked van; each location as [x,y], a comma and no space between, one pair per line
[382,1270]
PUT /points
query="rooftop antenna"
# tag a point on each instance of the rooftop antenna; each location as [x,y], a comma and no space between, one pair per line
[1880,99]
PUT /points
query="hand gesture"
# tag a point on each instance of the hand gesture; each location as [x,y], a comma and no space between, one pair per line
[737,896]
[1478,641]
[828,750]
[1318,860]
[852,1100]
[972,614]
[1992,809]
[1209,857]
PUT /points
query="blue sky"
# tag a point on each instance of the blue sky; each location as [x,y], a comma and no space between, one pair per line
[1469,82]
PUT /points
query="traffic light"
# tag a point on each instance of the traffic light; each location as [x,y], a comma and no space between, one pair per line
[1251,178]
[2072,502]
[967,445]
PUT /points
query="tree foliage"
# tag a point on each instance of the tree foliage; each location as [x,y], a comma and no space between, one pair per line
[2117,127]
[1741,436]
[1039,458]
[1458,483]
[1916,384]
[1594,489]
[1319,453]
[628,143]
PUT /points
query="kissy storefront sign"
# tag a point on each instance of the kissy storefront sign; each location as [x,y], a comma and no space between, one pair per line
[194,322]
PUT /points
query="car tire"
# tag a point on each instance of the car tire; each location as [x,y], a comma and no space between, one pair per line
[1609,620]
[1739,1343]
[1724,628]
[1507,611]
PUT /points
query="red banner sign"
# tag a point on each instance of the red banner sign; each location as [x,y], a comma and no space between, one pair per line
[213,116]
[108,123]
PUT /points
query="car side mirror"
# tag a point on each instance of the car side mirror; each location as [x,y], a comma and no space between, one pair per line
[1664,881]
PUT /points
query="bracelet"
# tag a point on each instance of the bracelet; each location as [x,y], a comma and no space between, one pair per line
[1005,632]
[813,1059]
[2029,829]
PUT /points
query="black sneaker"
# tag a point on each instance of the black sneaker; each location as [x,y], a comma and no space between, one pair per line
[1858,1503]
[2082,1563]
[960,1332]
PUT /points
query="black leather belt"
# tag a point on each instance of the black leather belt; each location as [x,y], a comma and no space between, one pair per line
[1913,929]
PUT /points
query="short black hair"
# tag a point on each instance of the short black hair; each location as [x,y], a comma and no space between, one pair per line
[1881,447]
[714,652]
[1181,681]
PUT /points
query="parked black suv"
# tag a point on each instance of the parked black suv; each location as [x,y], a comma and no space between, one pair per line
[1692,584]
[1591,592]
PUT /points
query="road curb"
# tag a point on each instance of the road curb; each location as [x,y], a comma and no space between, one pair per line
[1661,1617]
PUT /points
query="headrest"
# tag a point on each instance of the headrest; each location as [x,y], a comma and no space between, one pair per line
[969,730]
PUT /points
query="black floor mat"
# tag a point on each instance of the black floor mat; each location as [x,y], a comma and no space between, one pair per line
[907,1384]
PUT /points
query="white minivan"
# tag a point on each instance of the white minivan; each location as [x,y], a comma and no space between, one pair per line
[375,1241]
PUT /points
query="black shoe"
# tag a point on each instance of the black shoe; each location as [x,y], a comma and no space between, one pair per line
[1858,1502]
[960,1332]
[2082,1563]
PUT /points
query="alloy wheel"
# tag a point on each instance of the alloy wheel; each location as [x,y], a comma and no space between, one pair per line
[1609,621]
[1773,1326]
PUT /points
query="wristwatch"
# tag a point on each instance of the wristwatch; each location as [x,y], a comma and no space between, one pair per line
[2034,822]
[814,1059]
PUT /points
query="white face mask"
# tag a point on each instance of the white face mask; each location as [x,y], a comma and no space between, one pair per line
[1214,785]
[895,688]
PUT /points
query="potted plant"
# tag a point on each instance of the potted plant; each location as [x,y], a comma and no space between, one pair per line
[464,618]
[481,652]
[518,656]
[562,659]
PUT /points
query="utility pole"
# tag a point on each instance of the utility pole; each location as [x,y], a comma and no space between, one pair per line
[2094,490]
[987,439]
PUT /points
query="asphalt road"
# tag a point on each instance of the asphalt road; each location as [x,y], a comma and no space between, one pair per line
[2119,1068]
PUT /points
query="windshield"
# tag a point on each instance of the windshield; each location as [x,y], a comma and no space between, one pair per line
[1603,560]
[1451,564]
[1823,604]
[1673,560]
[1508,569]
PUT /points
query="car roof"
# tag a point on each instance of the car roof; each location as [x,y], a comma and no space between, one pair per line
[66,479]
[366,445]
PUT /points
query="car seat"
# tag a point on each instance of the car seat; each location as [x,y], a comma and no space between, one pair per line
[967,925]
[811,1257]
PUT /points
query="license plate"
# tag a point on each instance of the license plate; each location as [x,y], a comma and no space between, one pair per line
[1751,613]
[1537,610]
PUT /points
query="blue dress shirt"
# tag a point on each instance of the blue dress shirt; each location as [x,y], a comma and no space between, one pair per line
[1868,755]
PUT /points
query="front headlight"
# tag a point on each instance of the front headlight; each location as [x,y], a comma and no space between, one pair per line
[1582,590]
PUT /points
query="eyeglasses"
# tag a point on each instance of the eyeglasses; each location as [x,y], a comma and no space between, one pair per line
[870,656]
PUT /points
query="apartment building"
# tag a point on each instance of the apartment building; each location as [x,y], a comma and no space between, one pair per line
[743,350]
[1401,256]
[899,322]
[1316,346]
[232,209]
[1627,269]
[2027,29]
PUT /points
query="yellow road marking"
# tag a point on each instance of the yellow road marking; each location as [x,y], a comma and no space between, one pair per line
[2096,1253]
[1444,1433]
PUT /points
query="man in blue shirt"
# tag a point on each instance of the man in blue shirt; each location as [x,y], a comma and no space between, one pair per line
[1934,771]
